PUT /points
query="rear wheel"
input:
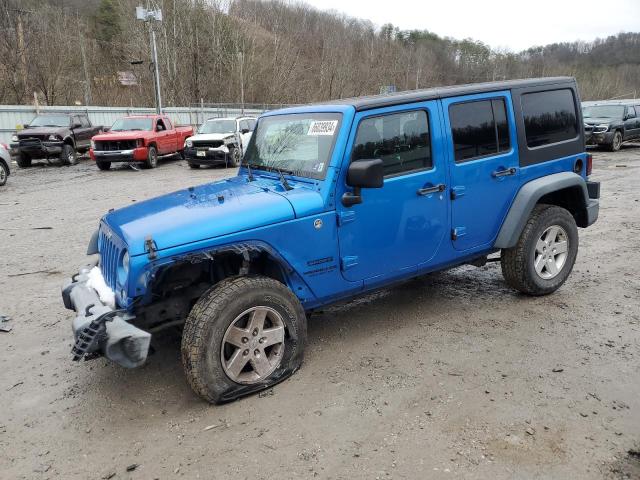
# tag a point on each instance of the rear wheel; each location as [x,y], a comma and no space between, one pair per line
[194,165]
[4,173]
[152,158]
[545,253]
[68,155]
[23,160]
[102,165]
[245,334]
[616,142]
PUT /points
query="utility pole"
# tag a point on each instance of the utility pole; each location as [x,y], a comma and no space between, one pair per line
[241,57]
[149,16]
[22,62]
[87,84]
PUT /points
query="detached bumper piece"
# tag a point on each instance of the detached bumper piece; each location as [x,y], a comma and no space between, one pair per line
[100,330]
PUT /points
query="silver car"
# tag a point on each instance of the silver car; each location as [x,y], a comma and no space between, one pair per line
[5,160]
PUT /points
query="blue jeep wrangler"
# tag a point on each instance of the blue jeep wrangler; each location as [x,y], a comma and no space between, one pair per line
[331,201]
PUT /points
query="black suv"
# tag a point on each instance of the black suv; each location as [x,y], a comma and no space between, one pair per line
[611,122]
[59,135]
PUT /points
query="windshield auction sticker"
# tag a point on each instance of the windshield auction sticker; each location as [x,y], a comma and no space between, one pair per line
[322,127]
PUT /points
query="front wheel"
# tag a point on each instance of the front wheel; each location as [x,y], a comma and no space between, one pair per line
[23,160]
[194,165]
[152,158]
[68,155]
[235,155]
[4,173]
[545,253]
[616,142]
[102,165]
[245,334]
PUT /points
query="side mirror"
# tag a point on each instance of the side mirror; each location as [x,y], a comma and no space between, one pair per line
[363,174]
[245,130]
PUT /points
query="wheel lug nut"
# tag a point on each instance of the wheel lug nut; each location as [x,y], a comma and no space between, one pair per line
[262,340]
[245,339]
[255,332]
[246,352]
[256,352]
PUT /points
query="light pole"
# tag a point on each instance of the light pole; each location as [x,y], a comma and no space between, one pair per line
[148,16]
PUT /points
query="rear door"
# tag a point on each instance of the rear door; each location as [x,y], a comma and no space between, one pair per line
[84,132]
[632,123]
[164,137]
[484,165]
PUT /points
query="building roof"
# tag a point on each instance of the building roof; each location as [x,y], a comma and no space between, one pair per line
[410,96]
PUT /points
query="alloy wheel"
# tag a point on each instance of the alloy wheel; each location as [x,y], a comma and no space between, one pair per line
[551,252]
[253,345]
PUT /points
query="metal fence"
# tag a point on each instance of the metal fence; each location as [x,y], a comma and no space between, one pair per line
[13,115]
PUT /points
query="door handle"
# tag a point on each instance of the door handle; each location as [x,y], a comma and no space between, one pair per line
[429,190]
[503,173]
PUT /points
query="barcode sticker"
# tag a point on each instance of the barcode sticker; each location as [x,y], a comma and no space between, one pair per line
[322,127]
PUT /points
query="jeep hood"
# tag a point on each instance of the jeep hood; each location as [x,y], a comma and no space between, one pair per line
[199,213]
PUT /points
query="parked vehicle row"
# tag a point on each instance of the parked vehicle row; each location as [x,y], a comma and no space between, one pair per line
[133,139]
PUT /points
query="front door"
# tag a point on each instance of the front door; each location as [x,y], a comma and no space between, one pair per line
[402,224]
[484,166]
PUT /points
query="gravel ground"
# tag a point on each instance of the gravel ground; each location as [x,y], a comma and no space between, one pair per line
[449,376]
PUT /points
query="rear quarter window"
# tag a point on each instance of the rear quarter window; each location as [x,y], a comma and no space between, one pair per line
[549,117]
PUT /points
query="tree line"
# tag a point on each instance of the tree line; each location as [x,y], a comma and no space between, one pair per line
[273,52]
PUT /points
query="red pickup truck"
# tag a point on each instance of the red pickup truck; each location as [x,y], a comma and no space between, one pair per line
[138,138]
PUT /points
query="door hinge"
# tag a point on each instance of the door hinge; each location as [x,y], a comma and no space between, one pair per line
[458,232]
[348,262]
[346,217]
[457,192]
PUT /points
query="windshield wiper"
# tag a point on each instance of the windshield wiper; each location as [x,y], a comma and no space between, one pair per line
[283,179]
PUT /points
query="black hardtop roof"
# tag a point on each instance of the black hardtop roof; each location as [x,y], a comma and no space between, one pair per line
[410,96]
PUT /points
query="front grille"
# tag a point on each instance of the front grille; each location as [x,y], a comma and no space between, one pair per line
[109,257]
[208,143]
[30,142]
[115,145]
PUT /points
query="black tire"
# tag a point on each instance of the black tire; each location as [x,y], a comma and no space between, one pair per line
[4,173]
[211,317]
[181,154]
[23,160]
[152,158]
[518,263]
[616,142]
[68,156]
[102,165]
[235,155]
[194,165]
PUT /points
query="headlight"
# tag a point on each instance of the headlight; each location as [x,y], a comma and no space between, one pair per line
[188,144]
[54,138]
[123,269]
[603,127]
[93,145]
[14,138]
[125,262]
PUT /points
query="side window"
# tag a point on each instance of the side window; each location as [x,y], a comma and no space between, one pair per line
[401,140]
[75,119]
[252,125]
[160,125]
[244,125]
[549,117]
[631,112]
[84,121]
[479,128]
[167,123]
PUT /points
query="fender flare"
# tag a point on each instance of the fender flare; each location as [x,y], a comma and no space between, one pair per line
[528,197]
[68,139]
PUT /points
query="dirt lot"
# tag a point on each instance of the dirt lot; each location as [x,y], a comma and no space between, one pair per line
[449,376]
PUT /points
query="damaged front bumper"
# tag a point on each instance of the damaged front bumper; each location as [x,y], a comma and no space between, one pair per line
[100,330]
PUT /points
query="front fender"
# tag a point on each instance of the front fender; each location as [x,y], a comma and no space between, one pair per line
[528,197]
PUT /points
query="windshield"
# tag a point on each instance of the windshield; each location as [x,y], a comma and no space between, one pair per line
[50,121]
[218,126]
[300,143]
[606,111]
[127,124]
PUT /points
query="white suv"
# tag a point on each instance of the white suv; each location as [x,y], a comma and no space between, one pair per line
[219,140]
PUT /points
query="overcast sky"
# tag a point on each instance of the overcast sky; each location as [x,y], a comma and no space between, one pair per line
[511,24]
